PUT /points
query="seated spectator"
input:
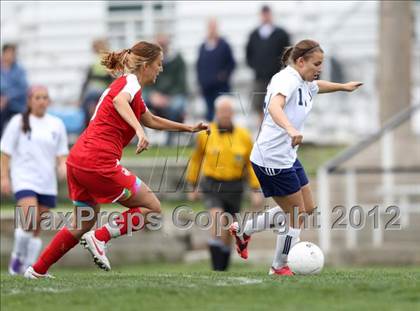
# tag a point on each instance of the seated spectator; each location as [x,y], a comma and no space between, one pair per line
[96,81]
[167,97]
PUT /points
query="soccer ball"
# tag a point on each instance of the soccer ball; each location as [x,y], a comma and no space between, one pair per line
[305,258]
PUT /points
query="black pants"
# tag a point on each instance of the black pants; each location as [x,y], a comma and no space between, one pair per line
[224,194]
[228,196]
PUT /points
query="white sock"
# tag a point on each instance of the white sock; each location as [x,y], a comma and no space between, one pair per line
[20,244]
[285,242]
[34,248]
[265,221]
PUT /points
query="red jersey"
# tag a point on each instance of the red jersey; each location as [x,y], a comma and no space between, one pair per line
[100,146]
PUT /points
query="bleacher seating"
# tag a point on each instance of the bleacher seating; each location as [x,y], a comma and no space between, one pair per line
[55,47]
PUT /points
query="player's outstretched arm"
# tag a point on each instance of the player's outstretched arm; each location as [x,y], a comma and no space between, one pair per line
[329,87]
[149,120]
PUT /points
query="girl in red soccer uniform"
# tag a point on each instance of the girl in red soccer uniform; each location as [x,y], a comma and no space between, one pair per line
[94,174]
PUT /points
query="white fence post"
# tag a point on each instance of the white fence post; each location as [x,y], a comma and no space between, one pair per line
[403,204]
[324,209]
[351,197]
[387,161]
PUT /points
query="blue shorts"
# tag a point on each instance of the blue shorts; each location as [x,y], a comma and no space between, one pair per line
[281,182]
[43,199]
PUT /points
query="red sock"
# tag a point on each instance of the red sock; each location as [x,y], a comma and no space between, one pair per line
[102,234]
[136,217]
[105,233]
[62,242]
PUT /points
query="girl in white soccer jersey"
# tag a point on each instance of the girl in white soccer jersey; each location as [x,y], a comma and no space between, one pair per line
[34,144]
[281,175]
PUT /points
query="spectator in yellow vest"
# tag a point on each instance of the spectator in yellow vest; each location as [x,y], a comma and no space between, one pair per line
[223,159]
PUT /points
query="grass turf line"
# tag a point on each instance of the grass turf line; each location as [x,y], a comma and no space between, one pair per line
[193,287]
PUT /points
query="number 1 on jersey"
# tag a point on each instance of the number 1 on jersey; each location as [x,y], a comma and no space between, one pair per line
[105,93]
[300,98]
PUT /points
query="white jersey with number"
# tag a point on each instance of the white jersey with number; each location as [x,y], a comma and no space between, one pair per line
[33,156]
[273,147]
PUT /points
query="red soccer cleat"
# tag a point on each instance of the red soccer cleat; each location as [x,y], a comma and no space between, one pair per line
[241,240]
[281,271]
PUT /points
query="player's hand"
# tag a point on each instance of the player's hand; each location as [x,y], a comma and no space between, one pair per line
[143,141]
[5,185]
[200,127]
[351,86]
[295,135]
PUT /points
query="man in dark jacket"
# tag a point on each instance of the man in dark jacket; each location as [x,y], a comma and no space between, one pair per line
[214,67]
[263,52]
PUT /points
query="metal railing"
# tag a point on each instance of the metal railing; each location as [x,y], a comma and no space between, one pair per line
[388,189]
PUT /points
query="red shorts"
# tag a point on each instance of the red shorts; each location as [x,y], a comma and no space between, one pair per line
[93,187]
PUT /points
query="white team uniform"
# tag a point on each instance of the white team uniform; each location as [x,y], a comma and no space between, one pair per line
[33,156]
[273,147]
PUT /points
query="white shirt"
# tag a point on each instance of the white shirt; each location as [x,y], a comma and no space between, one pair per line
[266,30]
[33,156]
[273,147]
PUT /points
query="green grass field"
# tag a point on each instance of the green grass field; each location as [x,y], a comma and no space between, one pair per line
[193,287]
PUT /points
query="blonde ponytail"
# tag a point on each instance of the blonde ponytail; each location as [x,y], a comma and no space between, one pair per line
[129,60]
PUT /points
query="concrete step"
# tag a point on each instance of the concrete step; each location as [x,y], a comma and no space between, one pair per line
[172,244]
[386,255]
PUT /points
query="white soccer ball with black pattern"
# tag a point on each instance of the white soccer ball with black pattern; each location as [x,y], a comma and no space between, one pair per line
[305,258]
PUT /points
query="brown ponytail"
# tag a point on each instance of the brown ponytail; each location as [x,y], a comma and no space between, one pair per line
[303,49]
[286,55]
[26,127]
[115,62]
[129,60]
